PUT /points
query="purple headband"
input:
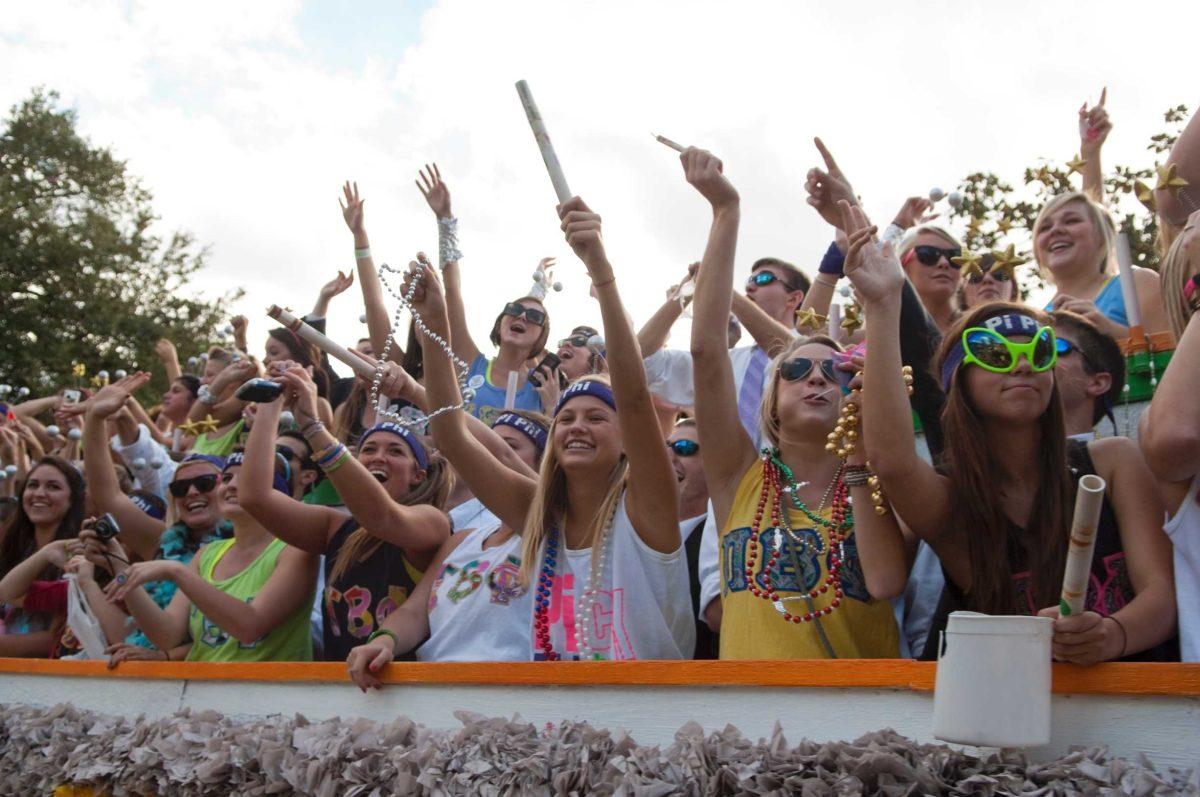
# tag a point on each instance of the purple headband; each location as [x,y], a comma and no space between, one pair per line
[414,443]
[587,387]
[535,433]
[1008,325]
[237,459]
[211,459]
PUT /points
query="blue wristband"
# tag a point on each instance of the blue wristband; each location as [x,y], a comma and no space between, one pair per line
[832,262]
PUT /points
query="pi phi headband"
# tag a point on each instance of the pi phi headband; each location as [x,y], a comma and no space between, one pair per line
[587,387]
[1008,325]
[414,443]
[535,433]
[211,459]
[238,458]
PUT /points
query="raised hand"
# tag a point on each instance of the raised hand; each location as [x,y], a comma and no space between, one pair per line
[913,213]
[352,207]
[583,232]
[165,350]
[434,190]
[110,398]
[1094,124]
[706,174]
[876,273]
[337,285]
[829,187]
[300,389]
[429,297]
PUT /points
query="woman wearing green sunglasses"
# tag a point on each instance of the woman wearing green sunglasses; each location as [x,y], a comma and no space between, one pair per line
[997,510]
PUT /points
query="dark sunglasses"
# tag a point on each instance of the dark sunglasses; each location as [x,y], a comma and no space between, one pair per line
[999,275]
[578,341]
[203,484]
[684,448]
[534,315]
[764,278]
[930,255]
[798,368]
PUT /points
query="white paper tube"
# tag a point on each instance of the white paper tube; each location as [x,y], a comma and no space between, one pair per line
[1133,311]
[1089,498]
[330,347]
[543,141]
[664,140]
[510,392]
[835,321]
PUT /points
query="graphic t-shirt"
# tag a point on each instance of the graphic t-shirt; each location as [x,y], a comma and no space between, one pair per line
[753,628]
[642,607]
[364,594]
[488,404]
[478,610]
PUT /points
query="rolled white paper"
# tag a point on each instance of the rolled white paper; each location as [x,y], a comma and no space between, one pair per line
[1133,311]
[672,144]
[330,347]
[510,392]
[835,321]
[543,141]
[1089,499]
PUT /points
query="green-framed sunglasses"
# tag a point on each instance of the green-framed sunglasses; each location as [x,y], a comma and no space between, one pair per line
[993,352]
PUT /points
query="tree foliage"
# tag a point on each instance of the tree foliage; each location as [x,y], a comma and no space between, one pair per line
[989,201]
[83,279]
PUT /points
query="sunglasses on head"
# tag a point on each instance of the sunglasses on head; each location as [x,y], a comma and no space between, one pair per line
[578,341]
[532,314]
[684,448]
[203,484]
[930,255]
[798,368]
[999,275]
[764,278]
[993,352]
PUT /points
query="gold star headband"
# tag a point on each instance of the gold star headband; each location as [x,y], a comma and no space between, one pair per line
[853,317]
[1168,180]
[810,318]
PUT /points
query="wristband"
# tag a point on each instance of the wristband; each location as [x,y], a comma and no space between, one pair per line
[341,459]
[362,254]
[448,251]
[312,426]
[205,396]
[385,632]
[832,262]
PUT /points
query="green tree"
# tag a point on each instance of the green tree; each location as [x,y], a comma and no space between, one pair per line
[83,280]
[994,204]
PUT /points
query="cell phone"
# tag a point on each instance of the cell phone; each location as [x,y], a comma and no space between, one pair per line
[844,377]
[259,391]
[71,396]
[549,362]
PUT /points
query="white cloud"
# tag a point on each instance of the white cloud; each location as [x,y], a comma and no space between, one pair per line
[244,132]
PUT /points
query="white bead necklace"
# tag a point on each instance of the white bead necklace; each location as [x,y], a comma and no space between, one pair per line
[585,600]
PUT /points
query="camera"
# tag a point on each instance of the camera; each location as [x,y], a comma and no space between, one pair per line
[106,527]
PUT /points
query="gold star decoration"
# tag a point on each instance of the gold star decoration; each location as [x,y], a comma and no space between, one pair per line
[968,263]
[853,317]
[1009,256]
[1004,225]
[810,318]
[189,428]
[79,369]
[1145,195]
[99,381]
[974,225]
[208,425]
[1076,164]
[1168,180]
[1008,266]
[1043,175]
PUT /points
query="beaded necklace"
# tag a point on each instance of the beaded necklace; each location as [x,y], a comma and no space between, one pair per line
[840,524]
[585,599]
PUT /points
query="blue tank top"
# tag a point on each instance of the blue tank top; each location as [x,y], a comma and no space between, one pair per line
[1111,302]
[489,399]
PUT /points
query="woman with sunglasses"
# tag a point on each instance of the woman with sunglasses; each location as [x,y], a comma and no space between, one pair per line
[998,511]
[927,255]
[195,517]
[993,282]
[798,577]
[1170,430]
[243,599]
[519,333]
[581,353]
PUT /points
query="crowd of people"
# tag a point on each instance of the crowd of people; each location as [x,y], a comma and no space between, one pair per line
[834,490]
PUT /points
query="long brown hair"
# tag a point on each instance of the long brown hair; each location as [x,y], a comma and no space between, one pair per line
[433,490]
[975,508]
[18,541]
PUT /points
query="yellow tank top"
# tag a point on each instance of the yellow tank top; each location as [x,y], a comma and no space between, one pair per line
[752,628]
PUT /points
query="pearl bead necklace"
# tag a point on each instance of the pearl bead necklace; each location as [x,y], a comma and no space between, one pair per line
[586,600]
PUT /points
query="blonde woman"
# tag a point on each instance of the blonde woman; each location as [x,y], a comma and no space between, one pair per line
[1073,242]
[927,255]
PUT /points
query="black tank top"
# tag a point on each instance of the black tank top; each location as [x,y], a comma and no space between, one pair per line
[1109,588]
[364,595]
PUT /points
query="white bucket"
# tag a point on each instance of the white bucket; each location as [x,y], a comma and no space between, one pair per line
[993,681]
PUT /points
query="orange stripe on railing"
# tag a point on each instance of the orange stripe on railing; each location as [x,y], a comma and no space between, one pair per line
[1103,679]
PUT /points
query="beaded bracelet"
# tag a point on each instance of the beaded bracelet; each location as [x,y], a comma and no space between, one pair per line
[384,632]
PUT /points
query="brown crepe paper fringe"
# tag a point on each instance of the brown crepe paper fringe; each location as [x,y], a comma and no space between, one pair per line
[206,753]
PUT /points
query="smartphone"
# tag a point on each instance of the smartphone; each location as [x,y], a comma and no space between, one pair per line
[549,362]
[71,396]
[259,391]
[844,377]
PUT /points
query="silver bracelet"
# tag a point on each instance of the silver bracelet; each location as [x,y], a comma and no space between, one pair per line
[448,251]
[205,396]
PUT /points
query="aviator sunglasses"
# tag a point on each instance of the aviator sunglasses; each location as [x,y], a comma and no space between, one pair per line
[534,315]
[203,484]
[798,368]
[993,352]
[764,278]
[684,448]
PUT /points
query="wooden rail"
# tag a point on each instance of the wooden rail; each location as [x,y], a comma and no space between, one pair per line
[1180,680]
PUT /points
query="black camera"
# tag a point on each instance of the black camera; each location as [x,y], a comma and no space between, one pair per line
[106,527]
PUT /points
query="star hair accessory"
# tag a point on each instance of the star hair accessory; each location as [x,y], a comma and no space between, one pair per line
[968,263]
[460,366]
[853,317]
[1145,195]
[810,318]
[1169,180]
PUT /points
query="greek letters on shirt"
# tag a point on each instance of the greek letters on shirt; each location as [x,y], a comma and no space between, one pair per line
[502,580]
[359,619]
[1105,596]
[607,635]
[800,567]
[212,635]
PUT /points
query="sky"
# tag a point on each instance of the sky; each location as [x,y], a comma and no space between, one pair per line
[243,119]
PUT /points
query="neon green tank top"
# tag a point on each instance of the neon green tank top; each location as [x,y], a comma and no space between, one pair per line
[219,446]
[289,641]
